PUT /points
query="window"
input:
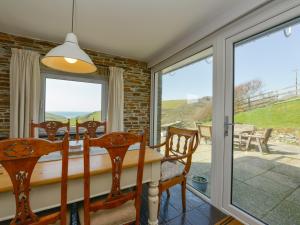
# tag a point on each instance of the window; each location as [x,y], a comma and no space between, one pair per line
[73,97]
[184,100]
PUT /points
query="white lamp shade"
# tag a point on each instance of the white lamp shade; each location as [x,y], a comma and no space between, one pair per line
[69,57]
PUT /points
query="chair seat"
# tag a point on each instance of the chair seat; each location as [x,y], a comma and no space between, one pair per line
[123,214]
[169,170]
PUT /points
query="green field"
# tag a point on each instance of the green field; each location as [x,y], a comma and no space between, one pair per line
[94,115]
[282,115]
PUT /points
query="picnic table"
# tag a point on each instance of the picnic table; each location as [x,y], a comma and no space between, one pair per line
[242,129]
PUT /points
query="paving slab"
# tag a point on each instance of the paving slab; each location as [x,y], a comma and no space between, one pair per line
[286,213]
[289,170]
[257,161]
[295,197]
[245,171]
[270,187]
[282,179]
[252,200]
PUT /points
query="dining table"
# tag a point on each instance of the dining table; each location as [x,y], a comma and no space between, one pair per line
[45,180]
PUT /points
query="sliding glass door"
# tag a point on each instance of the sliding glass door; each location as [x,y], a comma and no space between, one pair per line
[250,92]
[263,123]
[184,99]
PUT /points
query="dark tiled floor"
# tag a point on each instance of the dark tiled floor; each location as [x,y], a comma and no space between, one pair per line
[198,212]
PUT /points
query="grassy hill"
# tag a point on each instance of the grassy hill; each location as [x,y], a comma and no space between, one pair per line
[186,111]
[94,115]
[173,104]
[281,115]
[51,116]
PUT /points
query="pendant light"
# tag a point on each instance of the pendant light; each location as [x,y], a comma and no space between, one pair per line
[69,57]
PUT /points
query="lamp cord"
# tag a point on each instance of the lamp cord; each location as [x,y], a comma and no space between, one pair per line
[73,11]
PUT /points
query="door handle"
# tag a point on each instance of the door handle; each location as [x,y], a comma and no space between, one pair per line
[226,125]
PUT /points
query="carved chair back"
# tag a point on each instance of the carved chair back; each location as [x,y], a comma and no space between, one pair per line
[117,144]
[50,127]
[91,127]
[180,145]
[19,157]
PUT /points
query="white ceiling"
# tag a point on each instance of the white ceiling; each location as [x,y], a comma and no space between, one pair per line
[138,29]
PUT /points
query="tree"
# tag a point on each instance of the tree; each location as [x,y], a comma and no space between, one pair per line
[247,89]
[244,91]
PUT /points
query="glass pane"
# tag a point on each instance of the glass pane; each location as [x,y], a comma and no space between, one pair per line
[185,101]
[72,100]
[266,150]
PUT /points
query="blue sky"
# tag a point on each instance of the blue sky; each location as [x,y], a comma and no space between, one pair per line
[272,59]
[190,82]
[72,96]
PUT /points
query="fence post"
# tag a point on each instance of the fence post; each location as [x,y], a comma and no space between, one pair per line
[249,103]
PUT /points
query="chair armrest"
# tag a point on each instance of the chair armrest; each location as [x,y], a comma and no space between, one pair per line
[157,146]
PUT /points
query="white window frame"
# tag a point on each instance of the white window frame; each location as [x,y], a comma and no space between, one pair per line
[96,79]
[154,84]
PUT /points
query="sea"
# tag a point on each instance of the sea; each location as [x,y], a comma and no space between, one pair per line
[70,114]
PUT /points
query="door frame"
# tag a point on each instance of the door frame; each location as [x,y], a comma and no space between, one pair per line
[274,21]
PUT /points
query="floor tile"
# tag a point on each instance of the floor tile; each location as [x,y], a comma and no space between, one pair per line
[192,201]
[211,212]
[167,211]
[180,220]
[197,218]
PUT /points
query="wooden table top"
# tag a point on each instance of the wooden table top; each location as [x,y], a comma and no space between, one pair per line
[50,172]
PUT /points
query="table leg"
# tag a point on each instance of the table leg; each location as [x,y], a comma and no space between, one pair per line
[153,203]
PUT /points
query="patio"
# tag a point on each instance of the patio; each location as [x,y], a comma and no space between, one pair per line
[265,185]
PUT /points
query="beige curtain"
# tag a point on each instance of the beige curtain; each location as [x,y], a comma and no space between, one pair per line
[115,108]
[24,91]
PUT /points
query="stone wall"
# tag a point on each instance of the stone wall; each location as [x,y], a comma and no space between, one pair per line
[136,81]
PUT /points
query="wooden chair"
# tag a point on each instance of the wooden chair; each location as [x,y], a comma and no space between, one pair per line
[117,207]
[261,140]
[50,127]
[91,128]
[19,157]
[180,144]
[204,132]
